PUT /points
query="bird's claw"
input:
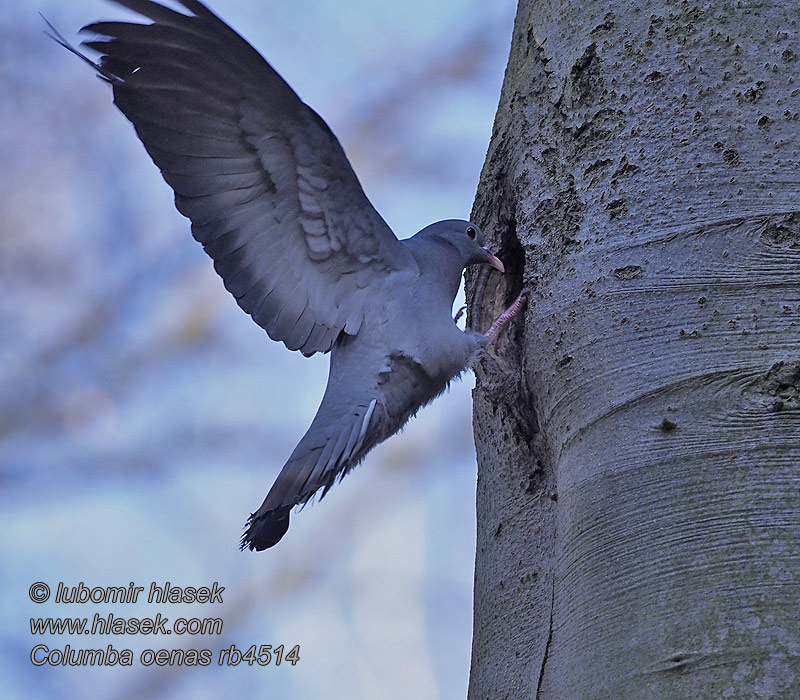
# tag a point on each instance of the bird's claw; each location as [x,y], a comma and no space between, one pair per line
[505,318]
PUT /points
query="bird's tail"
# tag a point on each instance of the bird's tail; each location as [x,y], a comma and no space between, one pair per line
[328,450]
[265,529]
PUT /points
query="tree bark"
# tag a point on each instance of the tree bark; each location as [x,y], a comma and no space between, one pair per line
[638,432]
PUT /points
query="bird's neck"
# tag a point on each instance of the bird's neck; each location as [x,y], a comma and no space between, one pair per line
[440,265]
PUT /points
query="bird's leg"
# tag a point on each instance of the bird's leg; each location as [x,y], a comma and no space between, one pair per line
[460,313]
[505,318]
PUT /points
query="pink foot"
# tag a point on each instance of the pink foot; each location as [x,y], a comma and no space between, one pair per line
[505,318]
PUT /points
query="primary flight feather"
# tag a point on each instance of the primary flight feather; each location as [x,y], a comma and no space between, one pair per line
[276,204]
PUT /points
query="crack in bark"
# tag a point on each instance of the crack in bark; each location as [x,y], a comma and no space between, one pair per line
[547,643]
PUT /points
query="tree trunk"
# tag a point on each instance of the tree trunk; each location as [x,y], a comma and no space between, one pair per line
[638,433]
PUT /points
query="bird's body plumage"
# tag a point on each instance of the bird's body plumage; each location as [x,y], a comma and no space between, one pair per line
[378,379]
[275,203]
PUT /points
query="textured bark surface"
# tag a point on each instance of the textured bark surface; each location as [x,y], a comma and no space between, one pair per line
[638,433]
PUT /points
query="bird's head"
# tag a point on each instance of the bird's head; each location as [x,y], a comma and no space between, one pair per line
[466,238]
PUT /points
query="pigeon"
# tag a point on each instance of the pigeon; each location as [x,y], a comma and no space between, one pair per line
[275,203]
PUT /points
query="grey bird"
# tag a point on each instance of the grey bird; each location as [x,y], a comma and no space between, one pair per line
[274,201]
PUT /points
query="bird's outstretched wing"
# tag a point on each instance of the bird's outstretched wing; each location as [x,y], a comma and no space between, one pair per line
[266,184]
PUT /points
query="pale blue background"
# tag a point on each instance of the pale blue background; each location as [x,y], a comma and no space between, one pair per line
[143,416]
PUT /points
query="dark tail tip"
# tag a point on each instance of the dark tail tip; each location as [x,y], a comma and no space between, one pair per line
[265,531]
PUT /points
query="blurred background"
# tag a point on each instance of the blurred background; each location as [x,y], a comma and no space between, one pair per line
[143,416]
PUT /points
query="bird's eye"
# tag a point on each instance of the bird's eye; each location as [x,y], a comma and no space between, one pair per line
[471,232]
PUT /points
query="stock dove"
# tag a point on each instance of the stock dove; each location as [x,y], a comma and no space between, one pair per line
[274,201]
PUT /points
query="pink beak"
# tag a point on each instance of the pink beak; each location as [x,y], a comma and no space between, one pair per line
[493,260]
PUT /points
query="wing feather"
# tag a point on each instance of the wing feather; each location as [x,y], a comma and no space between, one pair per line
[266,184]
